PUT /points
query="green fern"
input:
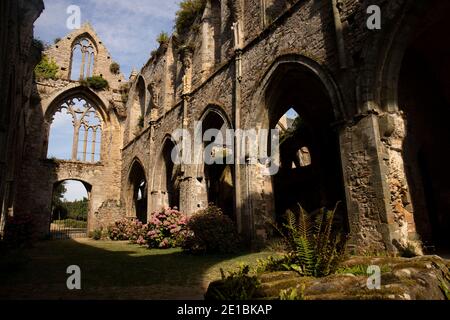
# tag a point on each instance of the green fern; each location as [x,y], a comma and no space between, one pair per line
[314,250]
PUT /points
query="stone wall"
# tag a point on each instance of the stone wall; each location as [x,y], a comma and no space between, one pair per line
[39,175]
[229,65]
[373,175]
[18,56]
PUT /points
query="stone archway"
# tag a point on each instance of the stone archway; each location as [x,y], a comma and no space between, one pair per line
[166,183]
[298,83]
[215,171]
[138,192]
[69,218]
[422,107]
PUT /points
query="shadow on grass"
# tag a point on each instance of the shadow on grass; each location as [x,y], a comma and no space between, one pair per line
[111,270]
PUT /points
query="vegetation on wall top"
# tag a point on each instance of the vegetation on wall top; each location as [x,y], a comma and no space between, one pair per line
[163,38]
[190,11]
[95,83]
[46,69]
[114,68]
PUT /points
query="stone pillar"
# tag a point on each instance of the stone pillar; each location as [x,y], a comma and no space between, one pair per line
[76,134]
[237,125]
[207,50]
[367,191]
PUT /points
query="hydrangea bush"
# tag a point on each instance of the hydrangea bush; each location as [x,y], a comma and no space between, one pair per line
[167,229]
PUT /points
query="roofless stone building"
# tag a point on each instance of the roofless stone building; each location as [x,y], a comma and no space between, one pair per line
[374,106]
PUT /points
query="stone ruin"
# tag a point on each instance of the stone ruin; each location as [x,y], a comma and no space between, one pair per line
[374,103]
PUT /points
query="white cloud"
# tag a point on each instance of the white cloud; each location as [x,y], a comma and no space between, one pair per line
[128,28]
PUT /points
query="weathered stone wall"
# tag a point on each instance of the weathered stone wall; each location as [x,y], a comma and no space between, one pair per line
[209,69]
[373,169]
[18,56]
[61,52]
[38,175]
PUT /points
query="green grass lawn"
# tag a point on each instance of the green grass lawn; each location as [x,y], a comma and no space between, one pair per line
[112,270]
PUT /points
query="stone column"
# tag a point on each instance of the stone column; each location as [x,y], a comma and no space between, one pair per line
[367,191]
[76,136]
[237,124]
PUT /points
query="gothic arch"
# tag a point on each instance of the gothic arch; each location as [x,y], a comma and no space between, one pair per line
[411,86]
[137,191]
[216,179]
[55,101]
[308,65]
[138,106]
[211,109]
[87,47]
[165,184]
[95,124]
[300,83]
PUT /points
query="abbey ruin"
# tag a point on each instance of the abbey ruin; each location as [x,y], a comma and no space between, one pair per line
[374,104]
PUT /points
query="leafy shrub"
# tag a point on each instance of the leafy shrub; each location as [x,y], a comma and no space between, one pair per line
[210,231]
[97,234]
[314,250]
[166,229]
[114,68]
[19,230]
[119,231]
[163,38]
[46,69]
[237,285]
[97,83]
[137,232]
[190,11]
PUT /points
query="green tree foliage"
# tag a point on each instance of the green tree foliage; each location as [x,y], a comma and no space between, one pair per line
[78,209]
[59,208]
[46,69]
[189,11]
[62,210]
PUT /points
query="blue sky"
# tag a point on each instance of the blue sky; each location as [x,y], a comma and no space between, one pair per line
[128,29]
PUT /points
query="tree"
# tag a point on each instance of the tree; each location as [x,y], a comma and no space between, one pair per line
[59,210]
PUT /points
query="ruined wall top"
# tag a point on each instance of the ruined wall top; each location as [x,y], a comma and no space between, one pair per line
[64,55]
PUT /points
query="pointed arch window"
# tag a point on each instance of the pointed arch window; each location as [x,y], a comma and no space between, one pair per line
[83,59]
[87,131]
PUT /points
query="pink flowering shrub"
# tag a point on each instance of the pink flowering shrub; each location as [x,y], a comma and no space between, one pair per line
[137,232]
[119,231]
[128,229]
[166,229]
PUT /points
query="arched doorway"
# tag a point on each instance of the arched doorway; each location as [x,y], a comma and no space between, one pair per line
[303,108]
[166,182]
[70,209]
[424,99]
[138,192]
[216,167]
